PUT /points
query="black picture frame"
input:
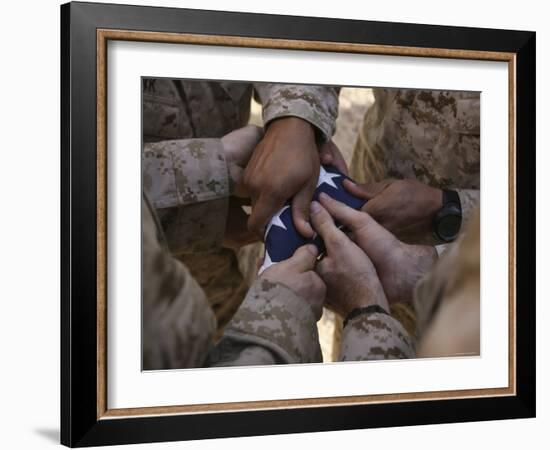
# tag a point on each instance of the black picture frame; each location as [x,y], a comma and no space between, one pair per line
[80,425]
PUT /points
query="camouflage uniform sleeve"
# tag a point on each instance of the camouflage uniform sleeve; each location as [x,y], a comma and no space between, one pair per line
[429,289]
[469,200]
[375,335]
[316,104]
[447,299]
[178,324]
[273,326]
[187,181]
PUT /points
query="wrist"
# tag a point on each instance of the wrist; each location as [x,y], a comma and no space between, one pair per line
[420,256]
[415,261]
[291,124]
[371,309]
[370,297]
[423,259]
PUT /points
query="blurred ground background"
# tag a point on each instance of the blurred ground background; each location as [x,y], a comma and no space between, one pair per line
[353,104]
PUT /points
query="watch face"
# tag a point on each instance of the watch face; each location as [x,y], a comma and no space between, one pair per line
[449,226]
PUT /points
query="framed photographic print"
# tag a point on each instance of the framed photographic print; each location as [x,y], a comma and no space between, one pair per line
[276,224]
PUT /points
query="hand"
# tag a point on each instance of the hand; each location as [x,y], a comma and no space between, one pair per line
[297,274]
[238,147]
[347,271]
[398,265]
[330,155]
[236,230]
[404,207]
[285,164]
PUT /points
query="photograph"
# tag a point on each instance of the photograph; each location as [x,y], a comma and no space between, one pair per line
[290,224]
[275,225]
[295,223]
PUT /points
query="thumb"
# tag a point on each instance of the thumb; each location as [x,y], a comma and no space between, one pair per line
[366,191]
[368,234]
[300,210]
[324,225]
[304,258]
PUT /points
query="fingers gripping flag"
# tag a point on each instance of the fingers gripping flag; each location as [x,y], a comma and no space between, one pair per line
[281,237]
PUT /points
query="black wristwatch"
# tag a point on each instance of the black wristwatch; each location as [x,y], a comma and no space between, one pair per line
[448,219]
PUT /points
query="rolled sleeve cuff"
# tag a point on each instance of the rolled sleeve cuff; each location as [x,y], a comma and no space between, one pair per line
[187,181]
[185,171]
[316,105]
[275,317]
[374,336]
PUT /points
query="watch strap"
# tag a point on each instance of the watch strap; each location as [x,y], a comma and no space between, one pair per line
[451,201]
[364,310]
[450,196]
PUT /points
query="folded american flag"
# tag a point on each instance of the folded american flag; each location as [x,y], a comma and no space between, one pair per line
[281,237]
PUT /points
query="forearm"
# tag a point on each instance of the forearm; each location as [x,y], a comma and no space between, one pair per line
[273,326]
[375,335]
[318,105]
[459,263]
[188,184]
[178,323]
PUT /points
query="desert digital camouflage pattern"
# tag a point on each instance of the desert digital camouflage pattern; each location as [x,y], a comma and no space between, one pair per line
[176,109]
[316,104]
[447,299]
[373,336]
[188,183]
[447,305]
[180,109]
[178,323]
[276,326]
[431,136]
[273,326]
[182,177]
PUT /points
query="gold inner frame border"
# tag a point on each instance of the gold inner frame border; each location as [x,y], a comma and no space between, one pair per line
[103,36]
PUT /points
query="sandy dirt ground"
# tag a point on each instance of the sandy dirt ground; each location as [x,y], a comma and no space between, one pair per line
[353,104]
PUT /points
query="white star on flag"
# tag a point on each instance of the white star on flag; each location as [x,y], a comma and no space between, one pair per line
[276,220]
[290,237]
[267,263]
[326,177]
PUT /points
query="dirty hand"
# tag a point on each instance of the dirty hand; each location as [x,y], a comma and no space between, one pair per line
[238,147]
[331,156]
[404,207]
[297,274]
[285,164]
[399,265]
[347,271]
